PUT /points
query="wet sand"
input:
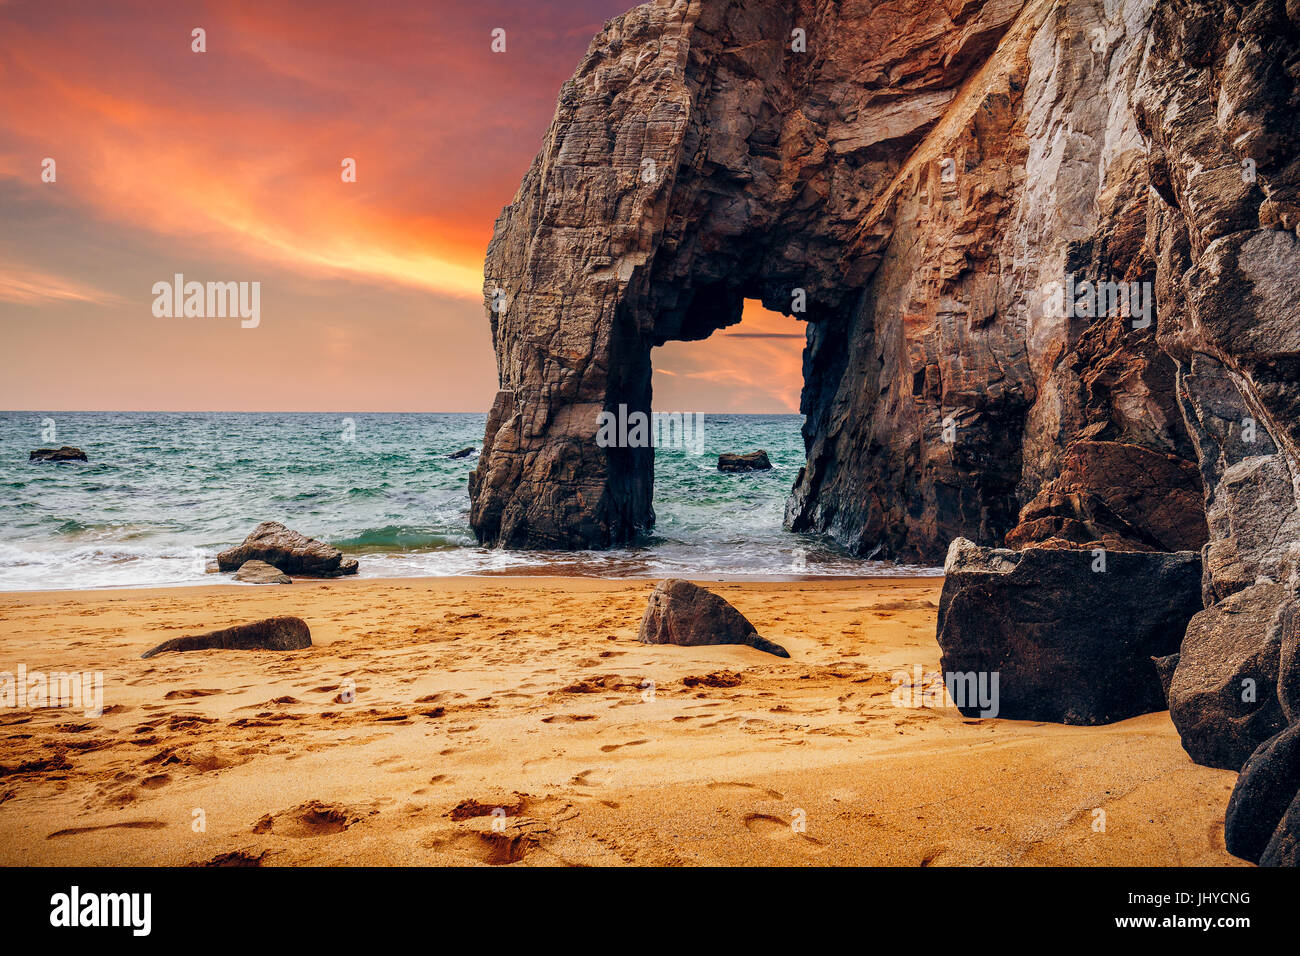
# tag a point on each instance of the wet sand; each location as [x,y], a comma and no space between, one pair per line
[517,720]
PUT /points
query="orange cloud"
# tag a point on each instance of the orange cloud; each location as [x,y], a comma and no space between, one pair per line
[28,287]
[241,146]
[165,156]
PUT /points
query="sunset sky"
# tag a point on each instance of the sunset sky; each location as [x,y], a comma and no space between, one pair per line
[225,166]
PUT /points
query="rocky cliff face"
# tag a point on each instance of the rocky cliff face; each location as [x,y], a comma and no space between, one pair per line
[1218,107]
[924,180]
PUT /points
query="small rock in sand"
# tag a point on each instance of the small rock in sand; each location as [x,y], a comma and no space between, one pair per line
[259,572]
[684,613]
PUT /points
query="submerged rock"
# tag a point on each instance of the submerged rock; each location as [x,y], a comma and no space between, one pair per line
[66,453]
[753,461]
[683,613]
[289,551]
[259,572]
[271,634]
[1068,643]
[463,453]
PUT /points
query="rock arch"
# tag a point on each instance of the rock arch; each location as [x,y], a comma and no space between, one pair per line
[924,171]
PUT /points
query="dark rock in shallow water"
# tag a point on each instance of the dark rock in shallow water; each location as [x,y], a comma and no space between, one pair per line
[683,613]
[1223,698]
[754,461]
[463,453]
[1268,783]
[66,453]
[259,572]
[289,551]
[1068,643]
[272,634]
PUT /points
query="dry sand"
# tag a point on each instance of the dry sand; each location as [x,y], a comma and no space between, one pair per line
[532,696]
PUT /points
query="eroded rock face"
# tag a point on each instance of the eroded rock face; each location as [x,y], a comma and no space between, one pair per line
[1217,104]
[1069,639]
[680,612]
[920,175]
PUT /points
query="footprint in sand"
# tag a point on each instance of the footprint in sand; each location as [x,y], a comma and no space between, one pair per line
[774,828]
[752,788]
[494,849]
[608,748]
[128,825]
[191,692]
[235,858]
[310,819]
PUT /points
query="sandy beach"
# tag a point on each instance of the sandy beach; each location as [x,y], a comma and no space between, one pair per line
[530,697]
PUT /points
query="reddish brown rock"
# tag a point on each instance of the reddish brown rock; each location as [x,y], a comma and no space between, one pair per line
[1116,496]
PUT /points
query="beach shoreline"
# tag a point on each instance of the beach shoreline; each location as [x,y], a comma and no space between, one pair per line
[516,720]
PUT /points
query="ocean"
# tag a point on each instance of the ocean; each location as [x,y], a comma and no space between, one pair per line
[163,492]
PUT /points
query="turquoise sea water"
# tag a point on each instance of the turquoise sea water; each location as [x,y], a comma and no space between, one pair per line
[164,491]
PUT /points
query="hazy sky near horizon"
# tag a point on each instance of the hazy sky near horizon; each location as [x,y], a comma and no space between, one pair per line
[225,166]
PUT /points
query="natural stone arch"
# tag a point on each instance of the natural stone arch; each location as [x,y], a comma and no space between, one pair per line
[912,184]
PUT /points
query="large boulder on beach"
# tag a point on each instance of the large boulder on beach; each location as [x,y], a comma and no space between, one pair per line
[683,613]
[271,634]
[66,453]
[753,461]
[259,572]
[1223,698]
[1069,634]
[1268,784]
[291,552]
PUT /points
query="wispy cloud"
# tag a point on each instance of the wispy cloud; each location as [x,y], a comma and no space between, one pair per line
[26,287]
